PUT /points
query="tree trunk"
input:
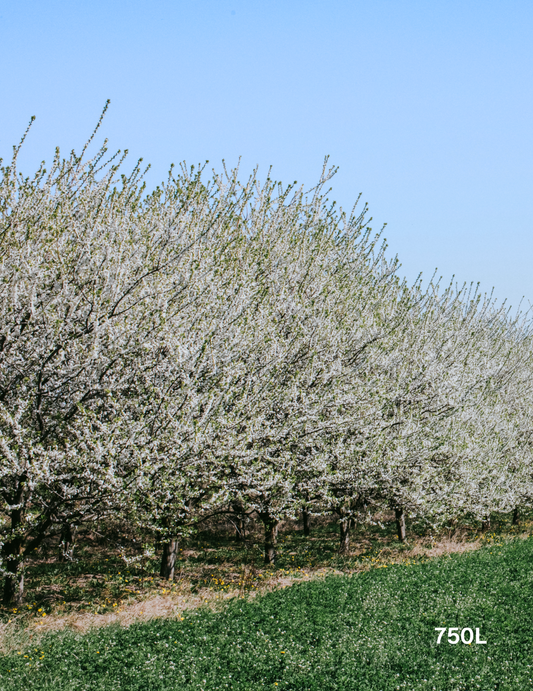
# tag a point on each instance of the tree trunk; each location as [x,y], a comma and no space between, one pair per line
[14,578]
[344,545]
[12,558]
[485,525]
[67,542]
[271,535]
[168,559]
[240,532]
[305,516]
[240,528]
[400,524]
[13,589]
[516,517]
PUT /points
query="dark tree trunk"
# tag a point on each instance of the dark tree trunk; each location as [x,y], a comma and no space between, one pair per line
[14,578]
[400,524]
[240,528]
[12,556]
[168,559]
[240,531]
[305,517]
[485,525]
[67,542]
[13,589]
[516,517]
[344,545]
[271,536]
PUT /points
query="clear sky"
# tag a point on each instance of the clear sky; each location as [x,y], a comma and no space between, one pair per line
[426,107]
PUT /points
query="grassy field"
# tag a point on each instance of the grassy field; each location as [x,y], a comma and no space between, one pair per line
[374,630]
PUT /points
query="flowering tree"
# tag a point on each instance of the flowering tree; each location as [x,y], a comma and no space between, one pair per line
[373,306]
[186,393]
[496,471]
[255,381]
[319,275]
[445,374]
[86,278]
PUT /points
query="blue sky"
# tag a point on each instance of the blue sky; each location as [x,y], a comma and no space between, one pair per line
[426,107]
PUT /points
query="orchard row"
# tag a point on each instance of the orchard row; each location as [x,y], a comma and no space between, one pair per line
[221,347]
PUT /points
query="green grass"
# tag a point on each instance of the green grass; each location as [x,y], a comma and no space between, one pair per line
[371,631]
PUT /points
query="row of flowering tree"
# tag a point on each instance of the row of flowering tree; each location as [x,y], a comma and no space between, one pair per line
[228,348]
